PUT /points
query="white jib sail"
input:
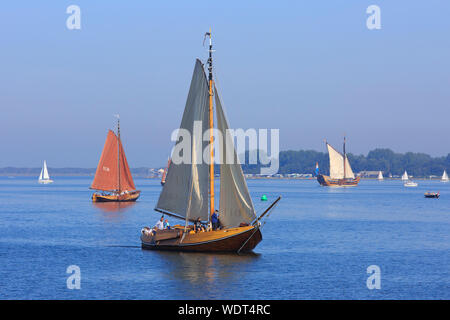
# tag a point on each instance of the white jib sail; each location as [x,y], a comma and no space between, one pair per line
[45,175]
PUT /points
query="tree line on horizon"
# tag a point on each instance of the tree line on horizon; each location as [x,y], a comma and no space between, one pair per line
[304,161]
[380,159]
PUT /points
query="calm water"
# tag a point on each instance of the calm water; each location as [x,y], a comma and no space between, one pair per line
[317,244]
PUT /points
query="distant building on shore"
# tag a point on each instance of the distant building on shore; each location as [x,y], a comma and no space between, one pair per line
[368,174]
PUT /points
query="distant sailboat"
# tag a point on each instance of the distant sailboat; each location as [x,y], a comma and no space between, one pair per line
[341,173]
[44,178]
[444,177]
[405,176]
[164,175]
[380,176]
[113,176]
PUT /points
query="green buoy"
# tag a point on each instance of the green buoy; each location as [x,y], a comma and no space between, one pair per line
[264,197]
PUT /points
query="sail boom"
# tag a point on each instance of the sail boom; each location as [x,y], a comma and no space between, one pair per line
[174,215]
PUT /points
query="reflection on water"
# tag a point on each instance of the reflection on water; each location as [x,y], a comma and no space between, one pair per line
[208,271]
[113,206]
[113,210]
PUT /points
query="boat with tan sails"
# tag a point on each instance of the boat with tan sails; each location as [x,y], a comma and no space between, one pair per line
[188,192]
[113,180]
[341,173]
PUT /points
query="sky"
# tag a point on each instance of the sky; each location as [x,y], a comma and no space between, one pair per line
[311,69]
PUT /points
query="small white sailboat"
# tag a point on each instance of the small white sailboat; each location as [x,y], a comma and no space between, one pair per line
[405,176]
[380,176]
[411,184]
[44,178]
[444,177]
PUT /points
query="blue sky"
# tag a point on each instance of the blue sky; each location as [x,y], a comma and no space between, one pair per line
[310,68]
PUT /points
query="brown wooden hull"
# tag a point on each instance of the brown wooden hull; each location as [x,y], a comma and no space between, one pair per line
[128,197]
[241,239]
[328,182]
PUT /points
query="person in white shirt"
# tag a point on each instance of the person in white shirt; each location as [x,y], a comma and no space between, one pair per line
[160,224]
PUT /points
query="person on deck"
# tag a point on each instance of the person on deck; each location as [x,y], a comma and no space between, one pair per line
[215,220]
[166,224]
[160,224]
[198,225]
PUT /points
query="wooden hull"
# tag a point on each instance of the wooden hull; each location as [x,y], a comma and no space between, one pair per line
[432,195]
[328,182]
[132,196]
[240,239]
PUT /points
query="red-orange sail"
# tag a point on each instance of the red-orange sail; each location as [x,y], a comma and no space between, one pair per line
[164,175]
[109,177]
[126,180]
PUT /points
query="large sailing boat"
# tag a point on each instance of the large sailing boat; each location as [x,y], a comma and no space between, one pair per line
[188,192]
[444,177]
[44,178]
[341,173]
[113,177]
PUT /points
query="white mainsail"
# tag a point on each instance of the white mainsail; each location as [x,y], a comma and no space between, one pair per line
[337,164]
[405,176]
[444,177]
[380,175]
[236,205]
[185,192]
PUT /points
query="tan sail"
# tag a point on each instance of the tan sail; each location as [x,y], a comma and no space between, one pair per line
[348,170]
[236,205]
[336,163]
[185,192]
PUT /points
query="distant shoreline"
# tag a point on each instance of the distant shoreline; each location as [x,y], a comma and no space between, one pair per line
[247,178]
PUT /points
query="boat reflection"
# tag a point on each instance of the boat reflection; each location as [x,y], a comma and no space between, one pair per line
[113,207]
[205,270]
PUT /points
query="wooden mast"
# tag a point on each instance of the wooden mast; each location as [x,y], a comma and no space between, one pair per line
[118,149]
[211,126]
[344,158]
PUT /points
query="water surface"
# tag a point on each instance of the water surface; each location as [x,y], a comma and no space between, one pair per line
[317,244]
